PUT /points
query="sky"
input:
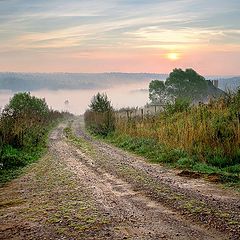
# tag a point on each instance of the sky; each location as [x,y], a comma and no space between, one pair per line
[120,36]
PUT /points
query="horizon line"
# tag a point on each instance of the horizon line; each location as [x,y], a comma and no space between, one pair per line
[117,72]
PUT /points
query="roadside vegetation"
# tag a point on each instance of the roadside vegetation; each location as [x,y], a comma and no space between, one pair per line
[24,126]
[202,138]
[99,119]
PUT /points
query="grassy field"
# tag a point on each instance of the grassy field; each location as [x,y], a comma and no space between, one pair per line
[203,139]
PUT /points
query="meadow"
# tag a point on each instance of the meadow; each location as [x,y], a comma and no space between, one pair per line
[202,138]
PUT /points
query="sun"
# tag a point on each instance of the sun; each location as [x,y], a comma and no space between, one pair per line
[173,56]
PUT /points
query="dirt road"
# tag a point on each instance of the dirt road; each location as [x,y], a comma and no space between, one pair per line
[86,189]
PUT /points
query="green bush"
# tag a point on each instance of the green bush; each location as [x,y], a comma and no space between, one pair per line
[218,161]
[100,119]
[233,169]
[12,158]
[171,156]
[24,124]
[204,168]
[180,105]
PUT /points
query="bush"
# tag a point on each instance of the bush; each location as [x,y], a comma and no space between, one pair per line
[12,158]
[171,156]
[100,123]
[24,124]
[233,169]
[100,118]
[180,105]
[218,161]
[23,119]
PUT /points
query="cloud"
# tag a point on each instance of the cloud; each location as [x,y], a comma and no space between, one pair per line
[112,26]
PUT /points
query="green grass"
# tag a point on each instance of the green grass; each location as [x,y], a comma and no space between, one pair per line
[16,160]
[7,175]
[177,158]
[79,142]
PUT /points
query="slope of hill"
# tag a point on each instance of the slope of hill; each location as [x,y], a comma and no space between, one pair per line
[56,81]
[229,83]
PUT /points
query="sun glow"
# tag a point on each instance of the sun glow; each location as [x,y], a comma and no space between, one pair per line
[173,56]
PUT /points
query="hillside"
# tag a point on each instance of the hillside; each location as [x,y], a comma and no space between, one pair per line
[55,81]
[229,83]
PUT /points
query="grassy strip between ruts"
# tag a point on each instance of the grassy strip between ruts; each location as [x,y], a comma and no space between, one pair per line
[79,142]
[156,153]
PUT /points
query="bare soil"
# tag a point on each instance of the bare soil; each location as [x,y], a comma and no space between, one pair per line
[87,189]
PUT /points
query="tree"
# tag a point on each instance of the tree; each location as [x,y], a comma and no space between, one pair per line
[22,119]
[25,103]
[100,118]
[186,84]
[180,84]
[100,103]
[157,92]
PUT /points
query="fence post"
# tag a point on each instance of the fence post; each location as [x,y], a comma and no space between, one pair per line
[127,114]
[142,113]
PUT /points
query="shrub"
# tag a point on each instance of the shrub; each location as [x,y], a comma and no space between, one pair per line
[218,161]
[24,124]
[12,158]
[22,120]
[100,118]
[180,105]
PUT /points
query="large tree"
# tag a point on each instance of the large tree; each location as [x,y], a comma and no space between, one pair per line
[186,84]
[158,92]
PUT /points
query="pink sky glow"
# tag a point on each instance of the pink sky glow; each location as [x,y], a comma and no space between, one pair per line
[120,36]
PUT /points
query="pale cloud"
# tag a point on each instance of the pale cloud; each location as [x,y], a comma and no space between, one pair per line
[184,36]
[105,29]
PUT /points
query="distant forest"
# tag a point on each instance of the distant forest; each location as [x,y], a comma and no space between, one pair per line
[56,81]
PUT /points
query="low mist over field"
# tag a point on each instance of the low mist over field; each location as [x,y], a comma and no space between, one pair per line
[124,89]
[70,50]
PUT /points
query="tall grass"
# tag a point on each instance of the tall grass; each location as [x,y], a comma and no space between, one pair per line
[208,134]
[101,123]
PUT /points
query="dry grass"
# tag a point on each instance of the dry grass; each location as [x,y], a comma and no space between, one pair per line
[207,131]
